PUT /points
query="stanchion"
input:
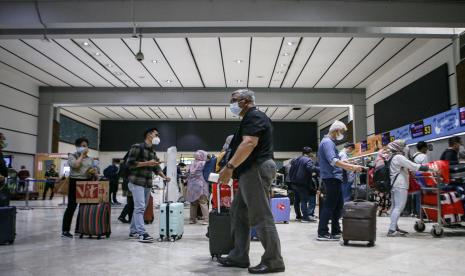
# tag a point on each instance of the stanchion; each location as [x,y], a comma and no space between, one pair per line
[26,207]
[64,201]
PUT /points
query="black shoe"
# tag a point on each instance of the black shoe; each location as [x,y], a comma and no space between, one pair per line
[66,235]
[123,220]
[226,262]
[263,269]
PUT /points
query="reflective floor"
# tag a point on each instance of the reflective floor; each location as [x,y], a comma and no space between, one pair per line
[39,250]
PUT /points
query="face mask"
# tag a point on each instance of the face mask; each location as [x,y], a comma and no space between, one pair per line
[340,136]
[96,163]
[81,149]
[156,141]
[235,108]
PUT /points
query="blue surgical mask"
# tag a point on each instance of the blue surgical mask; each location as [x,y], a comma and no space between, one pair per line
[80,149]
[235,108]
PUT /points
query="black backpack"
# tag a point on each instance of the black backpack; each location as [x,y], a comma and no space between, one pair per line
[382,176]
[124,168]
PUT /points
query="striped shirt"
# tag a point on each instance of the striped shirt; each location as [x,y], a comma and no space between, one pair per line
[141,176]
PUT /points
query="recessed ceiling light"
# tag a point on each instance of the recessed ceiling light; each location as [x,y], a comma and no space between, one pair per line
[190,116]
[155,61]
[168,81]
[239,81]
[128,81]
[141,77]
[282,72]
[97,53]
[238,61]
[275,80]
[259,77]
[286,54]
[118,73]
[85,43]
[186,108]
[283,65]
[109,65]
[290,43]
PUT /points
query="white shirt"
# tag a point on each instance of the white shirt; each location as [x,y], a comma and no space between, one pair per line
[420,158]
[400,166]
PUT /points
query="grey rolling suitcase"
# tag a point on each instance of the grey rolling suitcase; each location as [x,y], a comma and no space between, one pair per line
[359,220]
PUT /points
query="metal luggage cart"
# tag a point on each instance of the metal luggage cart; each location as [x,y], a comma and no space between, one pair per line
[437,231]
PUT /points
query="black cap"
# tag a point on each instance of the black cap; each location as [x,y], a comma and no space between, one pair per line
[307,150]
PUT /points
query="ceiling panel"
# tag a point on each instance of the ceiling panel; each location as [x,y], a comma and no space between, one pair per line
[207,53]
[281,112]
[294,114]
[311,113]
[68,61]
[352,55]
[149,112]
[270,111]
[380,55]
[186,112]
[119,52]
[85,112]
[105,112]
[158,112]
[202,112]
[236,60]
[325,54]
[218,112]
[154,61]
[82,55]
[26,52]
[91,49]
[265,52]
[285,57]
[171,112]
[138,112]
[27,68]
[121,112]
[177,52]
[306,48]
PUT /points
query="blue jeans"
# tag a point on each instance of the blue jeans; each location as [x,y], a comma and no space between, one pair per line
[347,191]
[141,198]
[307,201]
[332,207]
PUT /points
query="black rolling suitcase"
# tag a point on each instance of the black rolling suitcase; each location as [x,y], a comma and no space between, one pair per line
[7,224]
[359,221]
[219,230]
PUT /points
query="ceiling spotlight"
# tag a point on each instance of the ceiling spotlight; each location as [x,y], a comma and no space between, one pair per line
[140,55]
[109,65]
[238,81]
[283,65]
[97,53]
[168,81]
[238,61]
[290,43]
[286,54]
[155,61]
[297,108]
[85,43]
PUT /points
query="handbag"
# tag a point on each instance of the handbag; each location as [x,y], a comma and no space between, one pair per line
[62,186]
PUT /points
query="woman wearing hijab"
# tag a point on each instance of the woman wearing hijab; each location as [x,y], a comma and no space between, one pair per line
[197,187]
[399,171]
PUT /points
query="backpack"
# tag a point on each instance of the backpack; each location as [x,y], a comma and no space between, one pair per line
[210,167]
[124,168]
[382,175]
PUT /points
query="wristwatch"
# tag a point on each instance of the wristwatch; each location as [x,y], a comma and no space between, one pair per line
[230,166]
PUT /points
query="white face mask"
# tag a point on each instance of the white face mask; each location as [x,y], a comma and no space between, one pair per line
[156,141]
[235,108]
[339,136]
[81,149]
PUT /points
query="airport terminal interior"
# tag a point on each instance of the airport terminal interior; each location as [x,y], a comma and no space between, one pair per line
[118,119]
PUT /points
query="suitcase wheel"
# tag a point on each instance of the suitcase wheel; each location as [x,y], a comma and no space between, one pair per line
[419,226]
[345,242]
[371,244]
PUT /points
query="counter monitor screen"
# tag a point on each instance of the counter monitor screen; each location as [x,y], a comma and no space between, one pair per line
[462,116]
[417,129]
[385,138]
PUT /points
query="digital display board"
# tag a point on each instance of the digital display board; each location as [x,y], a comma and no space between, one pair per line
[462,116]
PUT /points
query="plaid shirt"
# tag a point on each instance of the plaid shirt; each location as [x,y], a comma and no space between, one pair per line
[141,176]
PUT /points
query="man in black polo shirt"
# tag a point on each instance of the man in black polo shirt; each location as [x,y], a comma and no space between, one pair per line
[252,163]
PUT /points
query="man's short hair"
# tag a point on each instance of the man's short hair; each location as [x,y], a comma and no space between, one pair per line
[245,94]
[421,145]
[454,140]
[149,130]
[337,125]
[307,150]
[349,145]
[79,141]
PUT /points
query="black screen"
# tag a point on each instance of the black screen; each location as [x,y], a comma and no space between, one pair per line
[191,136]
[423,98]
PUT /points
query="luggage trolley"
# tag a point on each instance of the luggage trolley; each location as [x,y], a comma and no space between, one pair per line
[437,230]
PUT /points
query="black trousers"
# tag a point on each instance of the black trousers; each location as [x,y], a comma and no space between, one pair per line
[49,186]
[69,212]
[332,208]
[128,208]
[113,190]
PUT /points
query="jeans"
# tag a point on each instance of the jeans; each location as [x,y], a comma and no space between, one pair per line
[347,190]
[399,199]
[251,208]
[141,198]
[307,201]
[332,208]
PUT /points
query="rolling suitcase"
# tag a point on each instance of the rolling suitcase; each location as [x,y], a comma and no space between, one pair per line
[171,227]
[148,213]
[94,220]
[7,225]
[281,209]
[359,221]
[219,230]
